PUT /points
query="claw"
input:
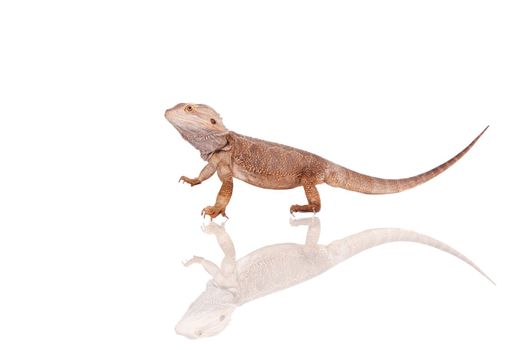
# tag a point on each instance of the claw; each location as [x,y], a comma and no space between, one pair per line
[204,213]
[213,212]
[187,180]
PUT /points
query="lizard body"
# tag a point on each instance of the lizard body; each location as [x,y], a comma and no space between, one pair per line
[274,166]
[277,267]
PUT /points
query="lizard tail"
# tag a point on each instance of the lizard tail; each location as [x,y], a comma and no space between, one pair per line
[345,248]
[342,177]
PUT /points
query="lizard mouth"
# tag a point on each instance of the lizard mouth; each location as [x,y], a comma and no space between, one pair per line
[184,122]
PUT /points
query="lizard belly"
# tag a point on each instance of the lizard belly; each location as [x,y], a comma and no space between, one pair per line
[278,267]
[268,181]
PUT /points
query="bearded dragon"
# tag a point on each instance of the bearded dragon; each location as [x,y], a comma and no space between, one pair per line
[276,267]
[274,166]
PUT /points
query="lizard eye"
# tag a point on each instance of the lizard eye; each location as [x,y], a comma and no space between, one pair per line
[188,108]
[213,121]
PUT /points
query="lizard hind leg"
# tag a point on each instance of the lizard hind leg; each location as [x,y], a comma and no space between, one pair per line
[314,201]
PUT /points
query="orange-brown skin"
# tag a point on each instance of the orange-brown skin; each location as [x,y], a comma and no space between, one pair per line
[271,165]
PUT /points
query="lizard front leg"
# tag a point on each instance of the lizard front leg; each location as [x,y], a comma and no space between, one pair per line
[224,195]
[205,174]
[209,266]
[314,201]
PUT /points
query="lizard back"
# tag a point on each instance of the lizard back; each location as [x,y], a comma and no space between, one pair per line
[272,165]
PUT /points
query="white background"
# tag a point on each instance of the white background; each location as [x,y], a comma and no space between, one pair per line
[93,223]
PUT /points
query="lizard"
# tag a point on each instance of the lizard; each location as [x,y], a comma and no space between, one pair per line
[272,165]
[279,266]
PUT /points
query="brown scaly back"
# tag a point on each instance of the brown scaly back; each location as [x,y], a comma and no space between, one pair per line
[342,177]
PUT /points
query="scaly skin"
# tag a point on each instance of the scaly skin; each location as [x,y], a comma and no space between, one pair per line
[274,166]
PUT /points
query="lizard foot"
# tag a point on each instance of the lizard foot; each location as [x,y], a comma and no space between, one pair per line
[213,212]
[308,208]
[194,260]
[213,228]
[187,180]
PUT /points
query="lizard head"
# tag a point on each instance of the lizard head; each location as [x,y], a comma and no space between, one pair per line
[200,125]
[209,314]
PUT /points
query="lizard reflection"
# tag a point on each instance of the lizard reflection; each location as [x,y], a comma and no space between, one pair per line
[276,267]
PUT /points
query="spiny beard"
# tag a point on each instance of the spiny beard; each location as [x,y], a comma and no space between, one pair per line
[206,142]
